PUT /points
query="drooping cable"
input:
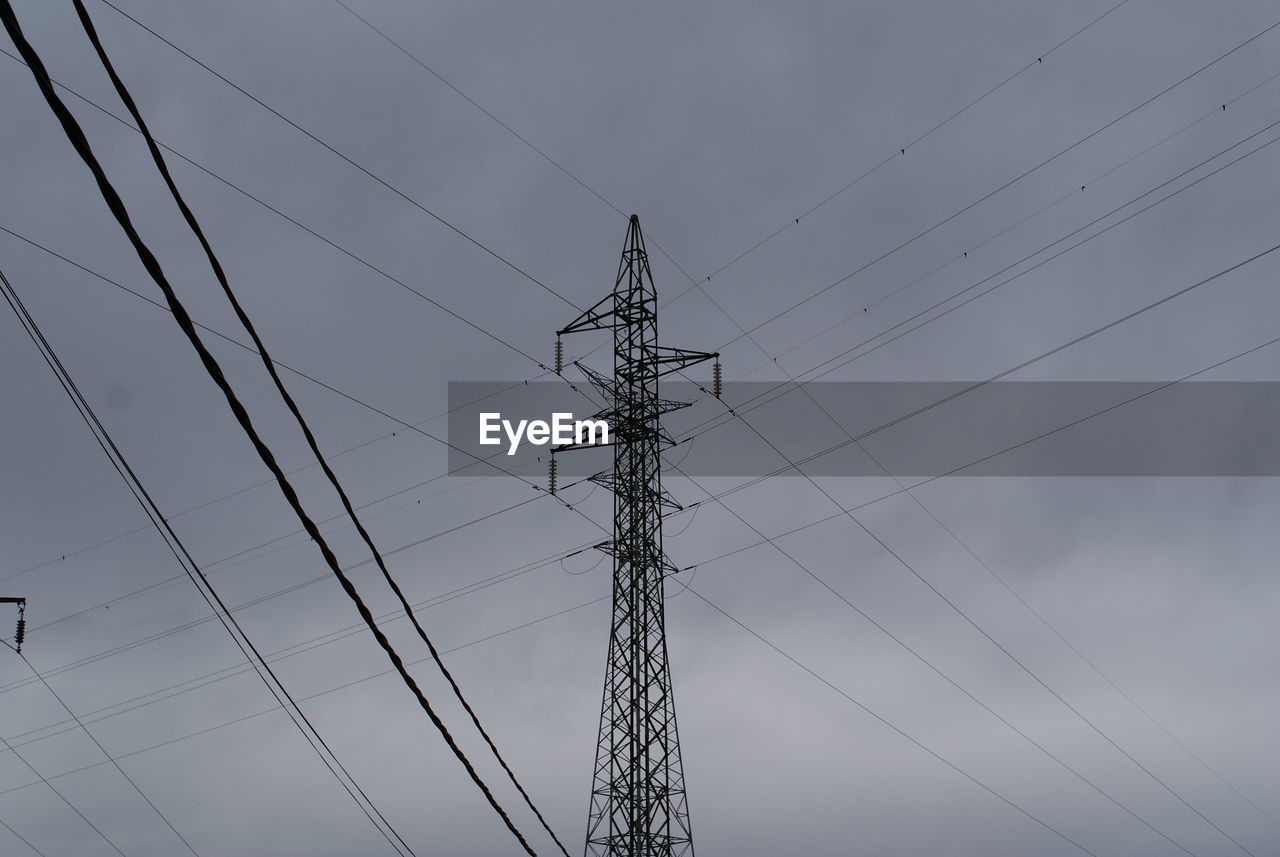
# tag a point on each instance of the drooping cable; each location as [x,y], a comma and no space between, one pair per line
[736,551]
[158,157]
[220,611]
[80,142]
[380,271]
[308,645]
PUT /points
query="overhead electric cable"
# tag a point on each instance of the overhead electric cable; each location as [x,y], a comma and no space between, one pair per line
[965,254]
[910,493]
[705,562]
[187,214]
[922,659]
[1039,60]
[256,600]
[957,609]
[188,685]
[910,568]
[843,511]
[993,378]
[180,553]
[21,838]
[365,170]
[902,151]
[62,797]
[416,427]
[513,132]
[992,193]
[307,645]
[80,142]
[856,440]
[824,368]
[316,695]
[886,722]
[109,757]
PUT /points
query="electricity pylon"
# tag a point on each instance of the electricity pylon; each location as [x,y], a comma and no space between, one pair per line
[638,804]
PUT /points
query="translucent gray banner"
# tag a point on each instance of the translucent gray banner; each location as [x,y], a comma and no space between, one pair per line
[912,429]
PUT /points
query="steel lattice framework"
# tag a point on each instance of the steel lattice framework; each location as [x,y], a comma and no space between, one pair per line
[638,804]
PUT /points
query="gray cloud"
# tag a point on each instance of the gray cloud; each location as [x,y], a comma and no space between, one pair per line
[717,123]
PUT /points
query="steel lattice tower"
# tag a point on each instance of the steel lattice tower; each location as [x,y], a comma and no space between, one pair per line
[638,804]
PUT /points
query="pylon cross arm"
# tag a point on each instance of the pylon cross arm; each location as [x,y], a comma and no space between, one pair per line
[595,318]
[669,359]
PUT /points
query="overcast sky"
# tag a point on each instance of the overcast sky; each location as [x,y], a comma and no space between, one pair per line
[717,123]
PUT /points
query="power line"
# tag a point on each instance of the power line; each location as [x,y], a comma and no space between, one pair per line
[886,722]
[1001,580]
[902,643]
[158,158]
[61,797]
[809,375]
[992,379]
[959,257]
[488,461]
[902,151]
[1055,256]
[317,694]
[197,682]
[980,630]
[513,132]
[1002,187]
[348,159]
[934,668]
[909,492]
[292,588]
[151,638]
[76,136]
[897,640]
[856,440]
[110,758]
[745,333]
[709,297]
[726,555]
[962,467]
[955,608]
[1022,365]
[180,552]
[381,33]
[21,838]
[843,510]
[705,562]
[413,427]
[545,370]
